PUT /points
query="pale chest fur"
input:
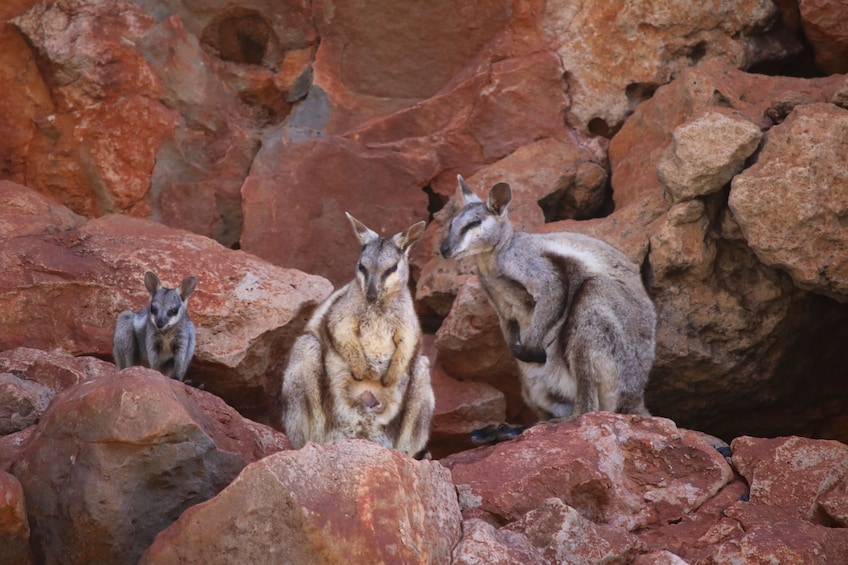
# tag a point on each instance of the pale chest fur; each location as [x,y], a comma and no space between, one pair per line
[377,338]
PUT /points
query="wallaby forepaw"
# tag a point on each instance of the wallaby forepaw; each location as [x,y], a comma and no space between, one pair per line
[529,355]
[494,433]
[196,384]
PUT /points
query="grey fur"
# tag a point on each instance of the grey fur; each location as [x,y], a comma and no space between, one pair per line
[159,336]
[572,309]
[357,371]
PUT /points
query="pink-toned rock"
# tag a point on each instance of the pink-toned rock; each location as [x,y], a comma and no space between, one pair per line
[564,535]
[826,27]
[12,445]
[299,189]
[619,470]
[14,528]
[658,558]
[615,54]
[65,285]
[758,534]
[794,474]
[483,543]
[790,204]
[116,459]
[705,153]
[348,501]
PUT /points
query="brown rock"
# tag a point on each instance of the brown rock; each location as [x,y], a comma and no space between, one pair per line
[790,203]
[619,470]
[63,288]
[826,29]
[116,459]
[14,528]
[12,445]
[470,346]
[615,54]
[705,153]
[794,474]
[714,84]
[348,501]
[461,408]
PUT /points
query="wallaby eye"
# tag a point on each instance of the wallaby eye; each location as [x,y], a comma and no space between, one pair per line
[363,270]
[389,271]
[173,312]
[471,225]
[154,310]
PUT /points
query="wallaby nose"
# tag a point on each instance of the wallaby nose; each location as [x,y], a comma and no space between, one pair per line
[371,294]
[445,250]
[160,323]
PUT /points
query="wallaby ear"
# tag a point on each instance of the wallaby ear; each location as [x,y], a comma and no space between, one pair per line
[465,192]
[187,287]
[362,231]
[499,198]
[151,281]
[405,239]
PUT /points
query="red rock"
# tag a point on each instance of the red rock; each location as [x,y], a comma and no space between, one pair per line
[106,126]
[116,459]
[12,445]
[298,191]
[619,470]
[789,203]
[826,29]
[14,528]
[794,474]
[348,501]
[65,285]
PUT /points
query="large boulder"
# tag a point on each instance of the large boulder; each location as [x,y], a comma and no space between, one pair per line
[67,279]
[116,459]
[626,471]
[348,501]
[826,27]
[791,203]
[14,528]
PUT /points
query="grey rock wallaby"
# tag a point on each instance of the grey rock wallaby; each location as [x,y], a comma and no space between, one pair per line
[159,336]
[573,311]
[357,371]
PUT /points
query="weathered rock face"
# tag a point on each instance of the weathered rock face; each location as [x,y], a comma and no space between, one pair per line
[637,47]
[825,27]
[247,312]
[116,459]
[349,501]
[791,204]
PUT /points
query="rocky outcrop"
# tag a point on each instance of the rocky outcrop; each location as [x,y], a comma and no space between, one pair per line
[351,501]
[247,312]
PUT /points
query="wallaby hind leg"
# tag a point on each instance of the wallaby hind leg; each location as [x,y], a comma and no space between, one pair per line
[303,415]
[124,347]
[414,429]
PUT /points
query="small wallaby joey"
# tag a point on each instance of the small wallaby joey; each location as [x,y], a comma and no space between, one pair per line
[572,308]
[160,335]
[357,371]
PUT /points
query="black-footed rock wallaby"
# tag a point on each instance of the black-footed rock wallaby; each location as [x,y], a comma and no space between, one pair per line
[159,336]
[358,371]
[572,308]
